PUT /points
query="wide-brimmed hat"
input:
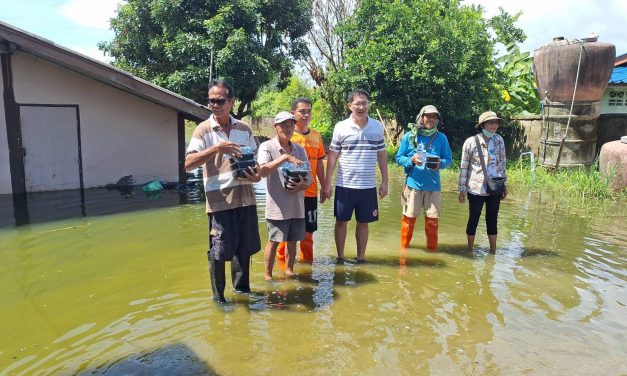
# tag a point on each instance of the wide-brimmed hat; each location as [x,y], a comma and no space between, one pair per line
[428,109]
[486,116]
[282,116]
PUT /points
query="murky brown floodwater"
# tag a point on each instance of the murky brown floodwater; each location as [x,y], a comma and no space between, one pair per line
[129,293]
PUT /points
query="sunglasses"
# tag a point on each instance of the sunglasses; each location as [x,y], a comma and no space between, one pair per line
[218,102]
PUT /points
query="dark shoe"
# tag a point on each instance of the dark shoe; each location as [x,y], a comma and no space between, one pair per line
[358,261]
[339,261]
[240,269]
[218,280]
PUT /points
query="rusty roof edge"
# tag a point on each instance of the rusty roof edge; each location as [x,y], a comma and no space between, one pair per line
[107,73]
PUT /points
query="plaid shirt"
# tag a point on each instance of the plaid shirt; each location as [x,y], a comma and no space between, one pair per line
[471,177]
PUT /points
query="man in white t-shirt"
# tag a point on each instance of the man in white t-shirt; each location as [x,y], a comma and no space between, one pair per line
[357,146]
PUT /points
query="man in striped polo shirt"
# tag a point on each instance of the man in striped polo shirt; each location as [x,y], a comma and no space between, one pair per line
[230,201]
[357,146]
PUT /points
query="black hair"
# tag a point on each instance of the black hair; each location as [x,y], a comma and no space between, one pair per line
[356,93]
[218,82]
[299,100]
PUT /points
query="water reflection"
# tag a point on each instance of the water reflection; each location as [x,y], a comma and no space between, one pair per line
[129,292]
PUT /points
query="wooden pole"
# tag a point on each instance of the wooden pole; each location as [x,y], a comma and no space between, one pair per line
[384,127]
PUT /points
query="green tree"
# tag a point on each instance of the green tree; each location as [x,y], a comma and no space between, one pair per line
[516,83]
[409,53]
[171,43]
[271,100]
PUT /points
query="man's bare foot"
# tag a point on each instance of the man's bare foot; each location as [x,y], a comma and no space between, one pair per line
[267,277]
[289,273]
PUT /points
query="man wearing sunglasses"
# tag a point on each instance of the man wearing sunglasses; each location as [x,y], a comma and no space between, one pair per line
[230,200]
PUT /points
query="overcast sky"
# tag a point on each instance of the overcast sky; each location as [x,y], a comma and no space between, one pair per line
[81,24]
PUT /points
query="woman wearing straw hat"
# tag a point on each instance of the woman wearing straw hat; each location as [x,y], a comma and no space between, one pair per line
[483,162]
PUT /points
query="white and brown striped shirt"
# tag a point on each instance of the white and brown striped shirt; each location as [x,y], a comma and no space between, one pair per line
[222,190]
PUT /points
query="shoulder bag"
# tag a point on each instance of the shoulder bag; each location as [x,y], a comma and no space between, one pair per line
[494,185]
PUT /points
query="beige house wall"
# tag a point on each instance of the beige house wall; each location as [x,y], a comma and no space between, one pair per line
[5,168]
[121,134]
[618,107]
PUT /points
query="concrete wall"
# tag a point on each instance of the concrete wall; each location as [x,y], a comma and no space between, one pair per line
[5,171]
[610,128]
[121,134]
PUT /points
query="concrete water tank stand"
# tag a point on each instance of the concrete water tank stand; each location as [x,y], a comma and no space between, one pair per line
[613,157]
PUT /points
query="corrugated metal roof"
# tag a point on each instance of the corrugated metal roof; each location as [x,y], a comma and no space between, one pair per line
[619,75]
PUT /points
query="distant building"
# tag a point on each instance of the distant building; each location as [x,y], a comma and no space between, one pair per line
[614,100]
[70,122]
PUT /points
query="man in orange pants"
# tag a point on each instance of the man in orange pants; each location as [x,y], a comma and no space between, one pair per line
[422,185]
[311,140]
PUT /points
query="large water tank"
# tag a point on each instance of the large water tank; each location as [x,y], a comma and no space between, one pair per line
[555,69]
[579,148]
[568,139]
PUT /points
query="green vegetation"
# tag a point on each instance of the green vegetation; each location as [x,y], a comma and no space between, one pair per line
[578,185]
[572,188]
[271,101]
[171,43]
[417,52]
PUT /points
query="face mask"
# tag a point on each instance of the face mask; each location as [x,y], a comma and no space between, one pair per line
[487,133]
[427,132]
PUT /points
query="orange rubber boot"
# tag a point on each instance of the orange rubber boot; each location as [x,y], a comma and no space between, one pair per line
[280,251]
[306,248]
[407,230]
[431,230]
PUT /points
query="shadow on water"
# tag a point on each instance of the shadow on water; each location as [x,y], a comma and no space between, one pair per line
[176,359]
[287,298]
[410,258]
[306,292]
[478,252]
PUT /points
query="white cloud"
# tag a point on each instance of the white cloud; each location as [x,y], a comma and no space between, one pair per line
[92,52]
[542,20]
[90,13]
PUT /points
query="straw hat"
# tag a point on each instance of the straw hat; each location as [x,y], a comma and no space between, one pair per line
[486,116]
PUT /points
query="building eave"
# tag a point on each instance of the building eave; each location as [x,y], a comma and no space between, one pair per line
[20,40]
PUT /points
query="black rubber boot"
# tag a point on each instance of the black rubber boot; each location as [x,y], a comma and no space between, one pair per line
[218,279]
[240,269]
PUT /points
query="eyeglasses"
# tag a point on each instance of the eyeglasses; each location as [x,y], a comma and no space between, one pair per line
[304,112]
[360,104]
[217,102]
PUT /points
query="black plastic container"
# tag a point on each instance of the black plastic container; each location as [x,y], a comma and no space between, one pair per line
[241,164]
[432,162]
[291,173]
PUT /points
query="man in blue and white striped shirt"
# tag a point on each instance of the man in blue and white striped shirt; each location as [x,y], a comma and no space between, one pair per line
[358,145]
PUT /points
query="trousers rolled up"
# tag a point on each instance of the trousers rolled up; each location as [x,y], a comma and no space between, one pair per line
[475,206]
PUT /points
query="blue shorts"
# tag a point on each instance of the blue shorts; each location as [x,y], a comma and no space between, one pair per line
[362,201]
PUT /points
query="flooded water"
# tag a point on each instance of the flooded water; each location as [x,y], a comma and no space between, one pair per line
[118,284]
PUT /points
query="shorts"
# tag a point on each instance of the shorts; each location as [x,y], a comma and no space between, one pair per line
[311,214]
[286,230]
[362,201]
[234,232]
[414,202]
